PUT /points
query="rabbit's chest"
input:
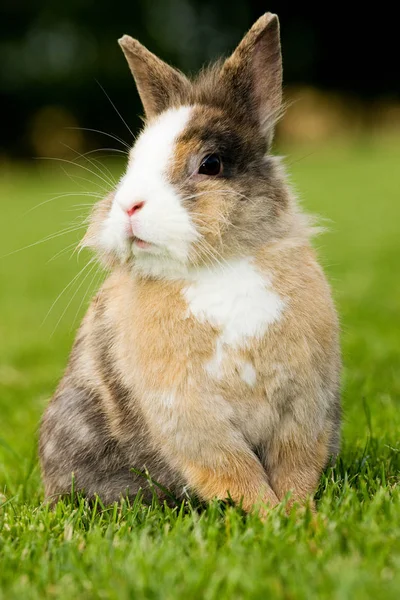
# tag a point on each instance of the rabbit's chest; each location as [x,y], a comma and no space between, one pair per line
[238,302]
[197,365]
[202,338]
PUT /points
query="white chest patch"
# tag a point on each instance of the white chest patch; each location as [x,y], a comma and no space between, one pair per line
[248,374]
[238,300]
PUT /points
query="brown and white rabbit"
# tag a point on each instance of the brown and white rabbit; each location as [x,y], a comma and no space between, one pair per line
[210,355]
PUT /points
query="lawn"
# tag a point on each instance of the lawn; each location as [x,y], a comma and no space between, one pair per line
[350,551]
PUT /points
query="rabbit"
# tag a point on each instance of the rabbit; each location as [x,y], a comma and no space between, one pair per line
[209,359]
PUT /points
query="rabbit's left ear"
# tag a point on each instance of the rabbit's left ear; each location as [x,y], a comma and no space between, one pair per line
[253,73]
[159,85]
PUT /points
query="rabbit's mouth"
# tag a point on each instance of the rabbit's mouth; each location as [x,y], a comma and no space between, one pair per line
[142,244]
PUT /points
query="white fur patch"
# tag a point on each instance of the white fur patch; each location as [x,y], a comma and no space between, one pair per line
[238,300]
[167,399]
[248,374]
[162,220]
[213,366]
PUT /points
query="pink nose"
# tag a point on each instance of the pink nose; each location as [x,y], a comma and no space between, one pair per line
[137,206]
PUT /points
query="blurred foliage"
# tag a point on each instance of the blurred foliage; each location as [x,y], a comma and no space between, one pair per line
[52,54]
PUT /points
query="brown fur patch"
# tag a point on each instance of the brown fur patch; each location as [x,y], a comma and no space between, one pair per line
[243,482]
[296,467]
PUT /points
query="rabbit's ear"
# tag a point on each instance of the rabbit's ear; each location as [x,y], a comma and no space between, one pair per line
[159,85]
[253,73]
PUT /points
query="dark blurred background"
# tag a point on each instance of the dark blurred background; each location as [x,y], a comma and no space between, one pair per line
[340,66]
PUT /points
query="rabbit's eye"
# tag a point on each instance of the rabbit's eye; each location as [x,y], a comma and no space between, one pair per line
[211,165]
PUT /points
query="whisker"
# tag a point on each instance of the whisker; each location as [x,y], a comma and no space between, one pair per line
[293,162]
[90,286]
[204,248]
[99,165]
[216,192]
[74,179]
[94,265]
[198,257]
[95,164]
[83,205]
[66,288]
[62,251]
[198,194]
[211,250]
[114,137]
[46,239]
[64,195]
[105,150]
[221,217]
[206,227]
[116,109]
[75,164]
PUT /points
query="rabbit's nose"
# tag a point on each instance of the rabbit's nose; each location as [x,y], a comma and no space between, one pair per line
[133,209]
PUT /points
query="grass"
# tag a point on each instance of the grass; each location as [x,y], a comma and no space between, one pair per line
[351,550]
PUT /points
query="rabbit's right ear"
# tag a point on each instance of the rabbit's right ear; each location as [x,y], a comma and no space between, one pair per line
[252,75]
[159,85]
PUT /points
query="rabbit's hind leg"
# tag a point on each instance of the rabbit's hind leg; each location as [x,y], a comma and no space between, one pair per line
[77,451]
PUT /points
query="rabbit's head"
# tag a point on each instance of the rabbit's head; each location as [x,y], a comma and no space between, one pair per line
[200,186]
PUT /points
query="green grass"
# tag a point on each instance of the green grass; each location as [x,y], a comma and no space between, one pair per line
[351,551]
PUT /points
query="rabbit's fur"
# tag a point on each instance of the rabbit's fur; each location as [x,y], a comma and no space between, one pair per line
[210,356]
